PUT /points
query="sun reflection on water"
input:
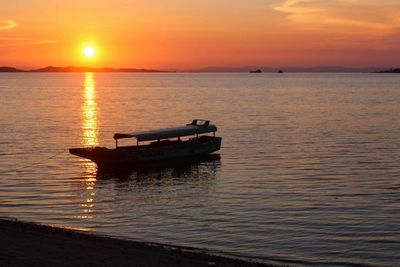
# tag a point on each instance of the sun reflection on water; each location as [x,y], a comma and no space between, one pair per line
[89,138]
[89,112]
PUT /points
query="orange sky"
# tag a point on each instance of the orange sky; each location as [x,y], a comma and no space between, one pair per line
[178,34]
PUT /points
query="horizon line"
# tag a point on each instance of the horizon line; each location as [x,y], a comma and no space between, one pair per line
[320,68]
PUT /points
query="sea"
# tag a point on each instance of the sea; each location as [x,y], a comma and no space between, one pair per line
[308,173]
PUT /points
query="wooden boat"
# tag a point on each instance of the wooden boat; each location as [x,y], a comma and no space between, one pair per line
[160,145]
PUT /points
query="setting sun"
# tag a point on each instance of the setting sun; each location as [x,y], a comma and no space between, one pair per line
[88,51]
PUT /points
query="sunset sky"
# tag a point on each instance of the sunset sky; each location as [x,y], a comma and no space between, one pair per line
[179,34]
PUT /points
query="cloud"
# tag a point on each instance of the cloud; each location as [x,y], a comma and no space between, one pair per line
[7,24]
[17,41]
[375,15]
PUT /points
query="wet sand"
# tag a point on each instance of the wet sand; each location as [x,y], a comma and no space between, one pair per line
[28,244]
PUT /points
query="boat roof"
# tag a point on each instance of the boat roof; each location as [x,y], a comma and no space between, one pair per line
[196,127]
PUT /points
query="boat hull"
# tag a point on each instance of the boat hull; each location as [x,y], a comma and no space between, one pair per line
[140,155]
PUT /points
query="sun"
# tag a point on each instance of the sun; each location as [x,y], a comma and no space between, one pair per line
[88,51]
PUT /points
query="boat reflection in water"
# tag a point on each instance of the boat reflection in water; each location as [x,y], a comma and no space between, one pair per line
[200,168]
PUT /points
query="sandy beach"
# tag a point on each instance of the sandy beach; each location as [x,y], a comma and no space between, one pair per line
[29,244]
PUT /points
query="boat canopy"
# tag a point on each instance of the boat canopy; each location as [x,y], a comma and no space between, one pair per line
[190,129]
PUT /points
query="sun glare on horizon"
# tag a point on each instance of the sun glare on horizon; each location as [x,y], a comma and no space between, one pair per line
[88,51]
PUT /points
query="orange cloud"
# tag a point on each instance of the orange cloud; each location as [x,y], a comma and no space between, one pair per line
[383,18]
[7,24]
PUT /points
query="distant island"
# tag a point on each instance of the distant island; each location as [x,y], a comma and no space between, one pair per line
[397,70]
[327,69]
[256,71]
[77,69]
[9,69]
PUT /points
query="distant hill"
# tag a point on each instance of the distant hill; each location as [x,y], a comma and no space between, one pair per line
[209,69]
[285,69]
[397,70]
[9,69]
[233,69]
[76,69]
[90,69]
[328,69]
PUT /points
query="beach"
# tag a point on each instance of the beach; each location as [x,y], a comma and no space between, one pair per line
[29,244]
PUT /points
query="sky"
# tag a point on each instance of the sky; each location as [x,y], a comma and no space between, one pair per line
[187,34]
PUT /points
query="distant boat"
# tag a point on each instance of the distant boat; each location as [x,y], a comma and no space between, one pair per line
[159,148]
[280,71]
[256,71]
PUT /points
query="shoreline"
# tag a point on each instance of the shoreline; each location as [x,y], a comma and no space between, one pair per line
[30,244]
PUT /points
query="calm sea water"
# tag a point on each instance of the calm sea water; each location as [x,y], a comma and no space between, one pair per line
[309,169]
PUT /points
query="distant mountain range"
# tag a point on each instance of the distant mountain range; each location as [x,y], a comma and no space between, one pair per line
[209,69]
[9,69]
[289,69]
[389,71]
[76,69]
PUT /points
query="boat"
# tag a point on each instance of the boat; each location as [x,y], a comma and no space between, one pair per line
[191,140]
